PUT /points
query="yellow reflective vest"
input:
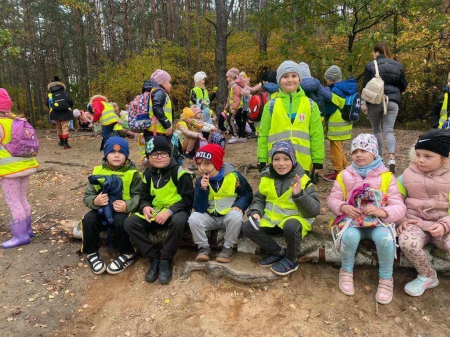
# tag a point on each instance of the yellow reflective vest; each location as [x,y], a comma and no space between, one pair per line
[279,209]
[127,178]
[200,93]
[167,195]
[11,165]
[222,200]
[444,112]
[108,116]
[241,103]
[167,113]
[297,132]
[337,127]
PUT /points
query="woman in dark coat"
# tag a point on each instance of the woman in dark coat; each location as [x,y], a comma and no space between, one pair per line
[395,83]
[60,108]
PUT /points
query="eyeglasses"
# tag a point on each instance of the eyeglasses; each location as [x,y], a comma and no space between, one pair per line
[155,155]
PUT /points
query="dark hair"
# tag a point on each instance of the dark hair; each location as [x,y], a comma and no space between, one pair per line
[383,48]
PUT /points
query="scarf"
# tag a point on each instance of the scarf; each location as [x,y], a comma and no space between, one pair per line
[364,171]
[219,176]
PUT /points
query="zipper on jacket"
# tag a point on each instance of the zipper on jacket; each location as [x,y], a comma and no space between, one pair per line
[290,114]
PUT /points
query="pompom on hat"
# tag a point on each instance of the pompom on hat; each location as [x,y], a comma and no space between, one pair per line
[437,141]
[201,75]
[5,101]
[160,76]
[116,144]
[366,142]
[211,152]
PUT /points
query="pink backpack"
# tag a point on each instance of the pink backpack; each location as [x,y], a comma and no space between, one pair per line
[24,142]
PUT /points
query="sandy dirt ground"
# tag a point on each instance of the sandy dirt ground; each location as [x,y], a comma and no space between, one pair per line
[47,289]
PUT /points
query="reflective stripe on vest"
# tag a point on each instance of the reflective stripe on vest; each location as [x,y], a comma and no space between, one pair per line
[108,115]
[281,128]
[222,200]
[444,112]
[167,195]
[127,178]
[338,128]
[279,209]
[167,112]
[8,164]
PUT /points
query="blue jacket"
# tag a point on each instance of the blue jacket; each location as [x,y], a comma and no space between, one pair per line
[342,89]
[271,87]
[317,92]
[243,190]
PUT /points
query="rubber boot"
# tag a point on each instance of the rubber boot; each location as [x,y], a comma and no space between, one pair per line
[66,143]
[61,141]
[20,234]
[29,229]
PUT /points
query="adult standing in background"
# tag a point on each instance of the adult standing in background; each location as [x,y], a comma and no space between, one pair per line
[60,109]
[393,75]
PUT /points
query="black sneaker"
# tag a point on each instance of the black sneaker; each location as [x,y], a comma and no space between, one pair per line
[284,267]
[152,273]
[271,259]
[96,263]
[165,271]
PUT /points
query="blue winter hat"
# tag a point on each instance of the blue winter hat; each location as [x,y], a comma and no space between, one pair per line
[285,147]
[117,144]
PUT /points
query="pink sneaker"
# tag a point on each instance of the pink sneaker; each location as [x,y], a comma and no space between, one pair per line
[346,283]
[385,291]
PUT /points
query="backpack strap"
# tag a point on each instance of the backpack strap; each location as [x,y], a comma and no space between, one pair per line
[271,105]
[377,73]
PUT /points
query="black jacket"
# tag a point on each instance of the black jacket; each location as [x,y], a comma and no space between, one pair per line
[160,178]
[393,75]
[65,115]
[159,98]
[435,111]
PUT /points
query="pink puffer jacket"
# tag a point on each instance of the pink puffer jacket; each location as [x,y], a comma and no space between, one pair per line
[395,207]
[427,199]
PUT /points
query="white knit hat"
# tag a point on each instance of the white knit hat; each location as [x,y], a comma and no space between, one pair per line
[199,76]
[304,70]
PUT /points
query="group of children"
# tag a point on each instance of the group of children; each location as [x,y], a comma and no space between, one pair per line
[366,198]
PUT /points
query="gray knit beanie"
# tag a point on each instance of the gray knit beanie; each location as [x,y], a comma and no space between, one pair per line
[304,70]
[287,67]
[333,73]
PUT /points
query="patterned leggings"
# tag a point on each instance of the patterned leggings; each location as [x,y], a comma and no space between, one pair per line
[413,239]
[15,190]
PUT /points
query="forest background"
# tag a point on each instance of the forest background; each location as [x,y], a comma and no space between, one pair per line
[110,47]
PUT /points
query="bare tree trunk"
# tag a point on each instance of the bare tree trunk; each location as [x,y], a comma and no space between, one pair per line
[81,55]
[126,29]
[26,66]
[157,35]
[188,36]
[263,32]
[197,33]
[220,59]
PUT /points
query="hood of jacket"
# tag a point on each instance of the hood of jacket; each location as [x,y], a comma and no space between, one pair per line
[98,98]
[149,85]
[56,86]
[129,165]
[310,84]
[271,87]
[347,87]
[228,167]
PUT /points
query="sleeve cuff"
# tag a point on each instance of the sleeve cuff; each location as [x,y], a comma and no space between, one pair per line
[318,166]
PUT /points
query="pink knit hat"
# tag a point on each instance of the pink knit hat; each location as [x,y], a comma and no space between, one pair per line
[160,76]
[233,72]
[5,101]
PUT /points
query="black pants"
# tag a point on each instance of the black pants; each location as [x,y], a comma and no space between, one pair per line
[241,121]
[292,233]
[138,228]
[92,227]
[149,135]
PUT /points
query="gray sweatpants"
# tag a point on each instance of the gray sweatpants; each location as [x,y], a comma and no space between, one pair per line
[376,117]
[199,223]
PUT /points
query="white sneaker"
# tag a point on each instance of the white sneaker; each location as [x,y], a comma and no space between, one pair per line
[241,140]
[233,140]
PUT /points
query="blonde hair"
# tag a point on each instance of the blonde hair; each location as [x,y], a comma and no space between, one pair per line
[413,158]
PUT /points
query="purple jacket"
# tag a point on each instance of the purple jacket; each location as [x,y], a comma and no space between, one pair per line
[395,207]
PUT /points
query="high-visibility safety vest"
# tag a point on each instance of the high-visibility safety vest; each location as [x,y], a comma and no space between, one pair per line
[444,112]
[222,200]
[241,103]
[127,178]
[167,113]
[337,127]
[281,208]
[167,195]
[386,178]
[200,93]
[281,128]
[108,116]
[8,164]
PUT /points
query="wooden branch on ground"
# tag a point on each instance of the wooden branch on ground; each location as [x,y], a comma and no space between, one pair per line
[244,168]
[81,184]
[62,163]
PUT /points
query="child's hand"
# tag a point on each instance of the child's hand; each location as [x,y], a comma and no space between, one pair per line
[375,211]
[235,208]
[204,183]
[147,212]
[437,230]
[404,225]
[101,200]
[169,132]
[162,217]
[120,206]
[350,211]
[296,185]
[256,216]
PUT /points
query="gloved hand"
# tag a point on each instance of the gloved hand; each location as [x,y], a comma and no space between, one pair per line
[314,177]
[261,166]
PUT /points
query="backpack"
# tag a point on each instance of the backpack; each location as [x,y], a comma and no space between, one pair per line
[373,92]
[219,139]
[59,101]
[138,112]
[24,142]
[352,108]
[256,105]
